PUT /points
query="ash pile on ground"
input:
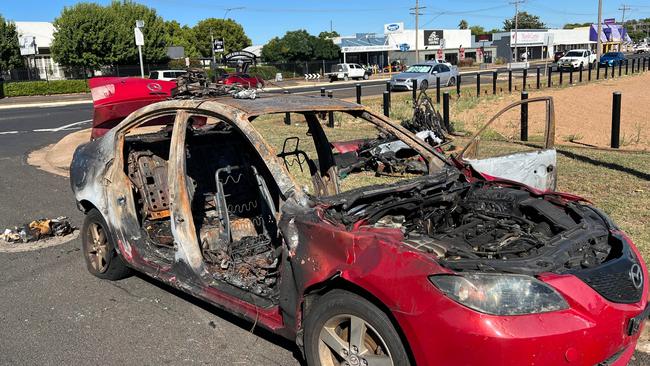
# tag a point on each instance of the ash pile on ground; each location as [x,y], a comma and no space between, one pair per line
[36,230]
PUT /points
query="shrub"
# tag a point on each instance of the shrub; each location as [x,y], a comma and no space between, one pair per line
[466,62]
[25,88]
[265,72]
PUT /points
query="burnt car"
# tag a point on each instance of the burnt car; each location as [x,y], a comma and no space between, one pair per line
[463,261]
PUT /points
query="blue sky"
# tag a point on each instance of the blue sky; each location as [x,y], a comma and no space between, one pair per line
[262,20]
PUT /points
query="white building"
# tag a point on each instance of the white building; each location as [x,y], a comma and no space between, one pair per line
[399,44]
[42,61]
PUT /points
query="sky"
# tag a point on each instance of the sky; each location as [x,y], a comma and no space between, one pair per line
[263,20]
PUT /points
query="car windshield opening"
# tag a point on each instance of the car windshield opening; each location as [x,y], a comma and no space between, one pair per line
[356,153]
[418,69]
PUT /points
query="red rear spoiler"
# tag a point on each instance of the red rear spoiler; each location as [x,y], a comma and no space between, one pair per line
[114,98]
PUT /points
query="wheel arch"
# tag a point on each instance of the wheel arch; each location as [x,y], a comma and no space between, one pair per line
[85,206]
[316,291]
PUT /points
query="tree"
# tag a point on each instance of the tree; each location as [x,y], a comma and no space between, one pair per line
[9,48]
[82,37]
[477,29]
[234,37]
[299,45]
[328,35]
[123,49]
[175,35]
[463,24]
[526,21]
[576,25]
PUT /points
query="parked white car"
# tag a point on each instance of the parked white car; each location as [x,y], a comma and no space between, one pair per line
[642,48]
[348,71]
[166,75]
[576,58]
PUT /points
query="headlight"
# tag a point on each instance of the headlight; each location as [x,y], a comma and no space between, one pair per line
[500,294]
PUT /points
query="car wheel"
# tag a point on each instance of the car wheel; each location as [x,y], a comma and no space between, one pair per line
[345,329]
[365,76]
[424,85]
[98,244]
[346,78]
[452,81]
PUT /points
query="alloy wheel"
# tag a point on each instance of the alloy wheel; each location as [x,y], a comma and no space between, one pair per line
[348,340]
[98,249]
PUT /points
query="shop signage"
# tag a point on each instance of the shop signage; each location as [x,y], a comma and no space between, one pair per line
[526,37]
[433,37]
[391,28]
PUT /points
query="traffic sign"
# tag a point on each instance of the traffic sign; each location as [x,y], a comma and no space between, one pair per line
[218,45]
[139,37]
[461,53]
[440,54]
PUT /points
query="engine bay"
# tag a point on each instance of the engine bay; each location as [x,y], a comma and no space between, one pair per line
[482,226]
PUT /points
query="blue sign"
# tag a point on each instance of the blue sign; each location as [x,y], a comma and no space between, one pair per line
[404,47]
[393,27]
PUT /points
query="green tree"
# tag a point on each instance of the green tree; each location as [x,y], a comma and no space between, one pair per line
[299,45]
[495,30]
[328,35]
[576,25]
[525,21]
[477,29]
[233,35]
[9,48]
[123,48]
[463,24]
[82,36]
[273,50]
[175,35]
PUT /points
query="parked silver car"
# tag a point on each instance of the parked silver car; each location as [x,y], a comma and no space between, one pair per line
[425,74]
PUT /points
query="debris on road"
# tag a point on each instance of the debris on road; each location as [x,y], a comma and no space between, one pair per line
[37,230]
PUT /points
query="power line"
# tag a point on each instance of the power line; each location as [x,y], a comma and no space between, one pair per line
[624,8]
[416,11]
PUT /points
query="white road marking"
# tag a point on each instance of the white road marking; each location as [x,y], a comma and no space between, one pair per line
[67,127]
[9,132]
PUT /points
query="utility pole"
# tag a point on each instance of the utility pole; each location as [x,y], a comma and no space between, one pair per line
[516,4]
[624,8]
[599,43]
[416,11]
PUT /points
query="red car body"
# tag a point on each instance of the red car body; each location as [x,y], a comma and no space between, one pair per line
[114,98]
[245,80]
[374,261]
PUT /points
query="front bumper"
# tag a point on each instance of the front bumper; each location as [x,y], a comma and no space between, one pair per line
[401,85]
[591,331]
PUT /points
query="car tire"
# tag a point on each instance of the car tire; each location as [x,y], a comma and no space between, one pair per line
[452,81]
[365,76]
[346,78]
[98,245]
[340,310]
[424,84]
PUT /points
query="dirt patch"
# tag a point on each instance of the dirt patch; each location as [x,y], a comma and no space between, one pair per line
[56,158]
[583,113]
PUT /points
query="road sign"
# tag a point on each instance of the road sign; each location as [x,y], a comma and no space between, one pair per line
[312,76]
[440,54]
[27,45]
[218,45]
[139,37]
[461,53]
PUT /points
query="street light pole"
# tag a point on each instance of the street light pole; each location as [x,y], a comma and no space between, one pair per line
[416,12]
[516,3]
[139,41]
[599,43]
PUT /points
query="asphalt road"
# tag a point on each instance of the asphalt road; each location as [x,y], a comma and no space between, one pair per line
[53,312]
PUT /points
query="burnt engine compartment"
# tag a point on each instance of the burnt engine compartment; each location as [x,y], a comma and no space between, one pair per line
[232,206]
[485,227]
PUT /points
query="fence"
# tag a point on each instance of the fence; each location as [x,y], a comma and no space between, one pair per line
[634,65]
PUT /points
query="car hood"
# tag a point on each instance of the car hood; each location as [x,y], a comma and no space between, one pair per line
[410,75]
